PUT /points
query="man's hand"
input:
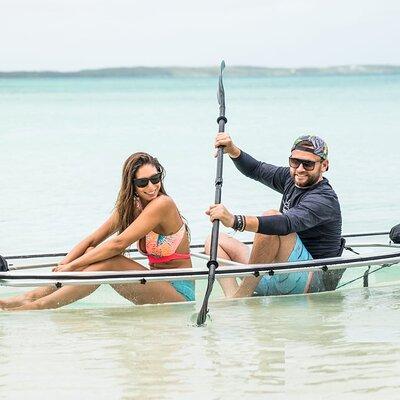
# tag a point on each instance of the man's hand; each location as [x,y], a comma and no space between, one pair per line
[223,139]
[218,211]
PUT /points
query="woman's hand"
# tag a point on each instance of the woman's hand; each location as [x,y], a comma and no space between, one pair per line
[63,268]
[63,261]
[218,211]
[224,140]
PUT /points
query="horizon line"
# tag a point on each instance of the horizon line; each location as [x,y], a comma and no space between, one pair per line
[237,71]
[266,67]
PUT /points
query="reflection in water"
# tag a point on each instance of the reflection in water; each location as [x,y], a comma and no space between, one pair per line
[291,346]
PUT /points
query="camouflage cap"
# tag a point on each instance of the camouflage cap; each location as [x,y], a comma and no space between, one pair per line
[319,147]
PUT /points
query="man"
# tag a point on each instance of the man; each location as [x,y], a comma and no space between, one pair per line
[307,226]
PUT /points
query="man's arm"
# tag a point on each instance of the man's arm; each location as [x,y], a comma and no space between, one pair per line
[267,174]
[270,175]
[312,211]
[220,212]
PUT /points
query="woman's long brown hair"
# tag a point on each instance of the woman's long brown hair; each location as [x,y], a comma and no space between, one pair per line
[128,205]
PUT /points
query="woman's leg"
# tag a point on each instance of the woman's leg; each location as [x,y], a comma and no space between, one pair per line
[59,298]
[27,297]
[154,292]
[32,295]
[149,293]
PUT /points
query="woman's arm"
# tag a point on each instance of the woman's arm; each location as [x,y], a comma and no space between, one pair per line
[153,215]
[96,237]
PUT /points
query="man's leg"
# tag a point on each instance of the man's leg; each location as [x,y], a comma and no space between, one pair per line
[266,249]
[271,248]
[233,250]
[289,248]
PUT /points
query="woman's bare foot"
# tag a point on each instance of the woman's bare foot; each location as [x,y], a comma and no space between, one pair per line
[26,307]
[26,298]
[14,302]
[2,305]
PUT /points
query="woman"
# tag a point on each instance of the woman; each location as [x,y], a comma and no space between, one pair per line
[144,213]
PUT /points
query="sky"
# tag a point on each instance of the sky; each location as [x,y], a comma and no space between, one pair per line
[68,35]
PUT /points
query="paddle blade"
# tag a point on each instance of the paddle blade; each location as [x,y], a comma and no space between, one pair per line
[221,92]
[202,316]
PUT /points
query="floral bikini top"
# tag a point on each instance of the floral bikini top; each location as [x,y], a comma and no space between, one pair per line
[161,249]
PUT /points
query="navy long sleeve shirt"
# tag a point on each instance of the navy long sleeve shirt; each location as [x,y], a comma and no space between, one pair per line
[312,212]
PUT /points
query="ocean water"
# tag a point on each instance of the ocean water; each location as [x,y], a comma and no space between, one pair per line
[63,142]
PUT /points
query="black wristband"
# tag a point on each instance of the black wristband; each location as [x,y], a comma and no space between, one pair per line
[235,223]
[239,223]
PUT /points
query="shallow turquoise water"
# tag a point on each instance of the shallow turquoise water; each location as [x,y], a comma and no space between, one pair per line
[63,143]
[318,346]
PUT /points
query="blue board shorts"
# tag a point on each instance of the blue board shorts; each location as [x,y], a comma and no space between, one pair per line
[293,282]
[185,288]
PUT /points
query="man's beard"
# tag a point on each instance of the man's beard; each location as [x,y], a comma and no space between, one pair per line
[311,180]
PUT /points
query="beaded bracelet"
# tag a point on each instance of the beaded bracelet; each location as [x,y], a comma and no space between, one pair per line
[244,223]
[239,223]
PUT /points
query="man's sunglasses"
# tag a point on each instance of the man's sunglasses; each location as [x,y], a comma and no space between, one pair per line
[308,165]
[143,182]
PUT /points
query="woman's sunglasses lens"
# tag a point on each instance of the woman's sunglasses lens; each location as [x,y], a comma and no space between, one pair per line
[155,179]
[145,181]
[141,182]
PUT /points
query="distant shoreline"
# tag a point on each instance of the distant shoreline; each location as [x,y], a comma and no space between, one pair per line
[204,72]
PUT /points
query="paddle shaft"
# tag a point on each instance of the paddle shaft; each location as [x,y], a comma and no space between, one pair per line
[212,264]
[218,193]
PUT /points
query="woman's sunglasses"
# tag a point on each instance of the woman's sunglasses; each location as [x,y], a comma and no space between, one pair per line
[308,165]
[143,182]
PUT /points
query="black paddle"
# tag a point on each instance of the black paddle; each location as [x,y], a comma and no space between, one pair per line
[212,264]
[3,264]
